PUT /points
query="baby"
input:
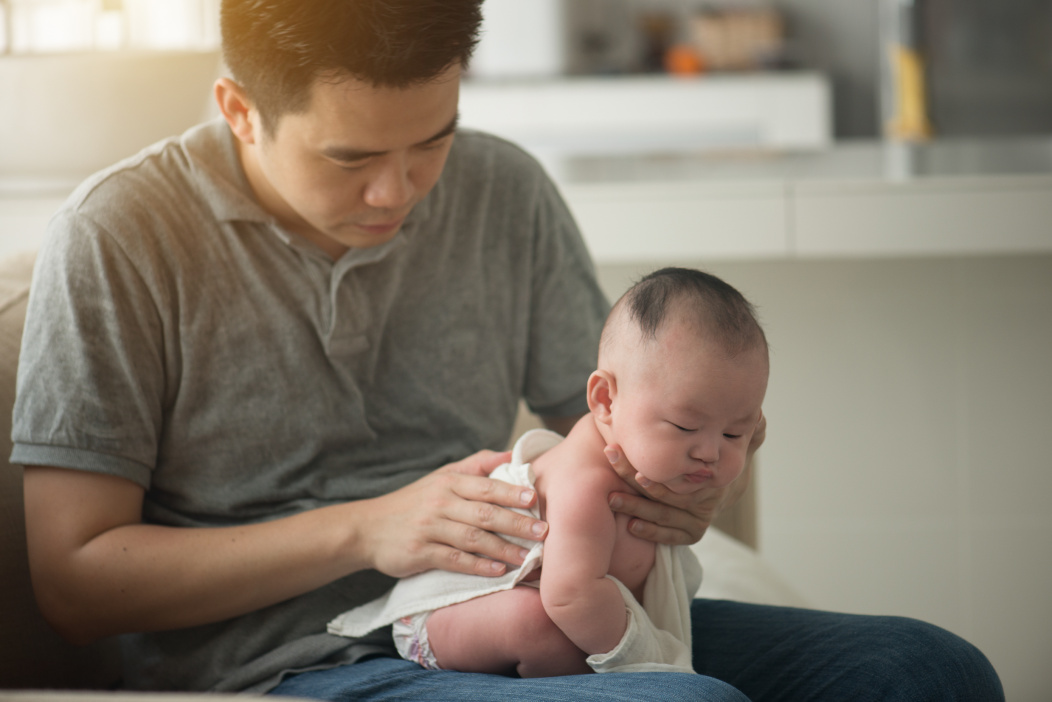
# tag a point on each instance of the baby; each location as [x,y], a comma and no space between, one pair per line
[681,378]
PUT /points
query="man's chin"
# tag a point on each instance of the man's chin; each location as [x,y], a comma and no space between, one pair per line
[356,237]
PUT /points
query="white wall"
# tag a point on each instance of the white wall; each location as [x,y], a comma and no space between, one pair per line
[907,467]
[520,40]
[68,115]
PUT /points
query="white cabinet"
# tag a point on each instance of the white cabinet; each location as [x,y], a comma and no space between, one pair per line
[848,201]
[629,223]
[646,113]
[945,216]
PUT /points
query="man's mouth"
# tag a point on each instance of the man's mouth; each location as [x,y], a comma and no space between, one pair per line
[382,227]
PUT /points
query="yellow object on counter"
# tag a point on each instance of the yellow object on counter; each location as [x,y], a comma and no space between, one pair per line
[910,121]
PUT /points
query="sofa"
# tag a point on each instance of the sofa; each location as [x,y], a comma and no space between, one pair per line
[33,657]
[31,654]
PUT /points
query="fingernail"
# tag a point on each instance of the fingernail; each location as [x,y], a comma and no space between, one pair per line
[612,455]
[616,502]
[523,553]
[635,527]
[526,497]
[643,480]
[539,528]
[496,568]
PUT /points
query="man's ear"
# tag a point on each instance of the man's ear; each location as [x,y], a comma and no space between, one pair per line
[602,387]
[237,109]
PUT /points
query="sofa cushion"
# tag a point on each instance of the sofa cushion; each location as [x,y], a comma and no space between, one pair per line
[31,654]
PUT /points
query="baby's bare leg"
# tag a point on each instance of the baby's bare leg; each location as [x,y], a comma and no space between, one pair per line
[506,633]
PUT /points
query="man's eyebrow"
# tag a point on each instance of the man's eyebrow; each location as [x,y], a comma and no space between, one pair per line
[339,153]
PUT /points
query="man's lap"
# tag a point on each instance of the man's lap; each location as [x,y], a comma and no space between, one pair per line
[770,654]
[393,679]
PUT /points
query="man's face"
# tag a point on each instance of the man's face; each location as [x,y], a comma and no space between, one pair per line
[346,172]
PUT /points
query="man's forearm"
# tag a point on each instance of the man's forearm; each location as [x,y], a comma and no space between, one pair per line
[97,570]
[139,577]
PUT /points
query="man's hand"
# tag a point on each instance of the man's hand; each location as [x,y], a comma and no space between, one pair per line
[669,518]
[98,570]
[449,520]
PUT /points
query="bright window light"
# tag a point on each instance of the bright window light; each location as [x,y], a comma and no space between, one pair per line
[52,26]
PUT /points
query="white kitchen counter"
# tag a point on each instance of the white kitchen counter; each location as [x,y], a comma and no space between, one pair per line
[854,200]
[860,199]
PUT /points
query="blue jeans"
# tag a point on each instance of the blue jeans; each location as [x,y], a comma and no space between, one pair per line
[743,652]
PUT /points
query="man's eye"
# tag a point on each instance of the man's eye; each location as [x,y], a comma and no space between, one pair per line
[433,145]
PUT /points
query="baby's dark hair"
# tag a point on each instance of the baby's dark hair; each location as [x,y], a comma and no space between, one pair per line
[712,307]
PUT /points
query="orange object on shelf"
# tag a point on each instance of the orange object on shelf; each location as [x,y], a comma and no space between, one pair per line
[683,60]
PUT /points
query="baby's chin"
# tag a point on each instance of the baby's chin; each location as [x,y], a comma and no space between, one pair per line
[684,487]
[687,485]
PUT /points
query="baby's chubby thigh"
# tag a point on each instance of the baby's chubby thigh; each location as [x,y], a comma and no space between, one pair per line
[504,633]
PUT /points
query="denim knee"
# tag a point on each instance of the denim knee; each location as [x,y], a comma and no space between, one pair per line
[918,662]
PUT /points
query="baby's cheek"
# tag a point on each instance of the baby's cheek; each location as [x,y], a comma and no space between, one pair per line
[733,466]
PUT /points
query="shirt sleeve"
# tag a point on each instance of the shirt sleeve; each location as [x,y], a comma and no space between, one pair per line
[91,370]
[568,310]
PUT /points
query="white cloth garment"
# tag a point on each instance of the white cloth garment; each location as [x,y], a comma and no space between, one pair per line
[658,636]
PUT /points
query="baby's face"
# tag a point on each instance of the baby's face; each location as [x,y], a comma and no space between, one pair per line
[686,415]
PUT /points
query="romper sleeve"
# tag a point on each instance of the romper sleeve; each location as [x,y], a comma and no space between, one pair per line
[658,635]
[568,310]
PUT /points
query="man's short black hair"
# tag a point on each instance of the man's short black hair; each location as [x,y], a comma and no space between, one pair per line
[277,49]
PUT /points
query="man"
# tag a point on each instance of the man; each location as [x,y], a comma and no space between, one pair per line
[266,363]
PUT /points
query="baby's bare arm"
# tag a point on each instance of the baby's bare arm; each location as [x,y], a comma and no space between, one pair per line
[585,604]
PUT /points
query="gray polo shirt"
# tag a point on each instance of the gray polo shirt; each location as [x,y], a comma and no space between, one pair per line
[178,337]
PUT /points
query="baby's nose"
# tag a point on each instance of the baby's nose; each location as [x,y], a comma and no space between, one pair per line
[707,451]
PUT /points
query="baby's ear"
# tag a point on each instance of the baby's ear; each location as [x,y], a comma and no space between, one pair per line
[602,386]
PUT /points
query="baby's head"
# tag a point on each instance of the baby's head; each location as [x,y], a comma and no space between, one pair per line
[681,379]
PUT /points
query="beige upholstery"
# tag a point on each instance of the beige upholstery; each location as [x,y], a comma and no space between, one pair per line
[31,654]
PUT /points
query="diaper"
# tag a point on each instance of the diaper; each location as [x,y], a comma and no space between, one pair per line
[410,638]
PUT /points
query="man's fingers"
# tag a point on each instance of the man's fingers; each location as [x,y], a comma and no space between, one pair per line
[474,487]
[483,544]
[461,517]
[482,505]
[661,535]
[656,521]
[481,464]
[474,517]
[479,525]
[452,559]
[655,491]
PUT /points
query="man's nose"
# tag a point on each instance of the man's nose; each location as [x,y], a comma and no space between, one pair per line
[392,186]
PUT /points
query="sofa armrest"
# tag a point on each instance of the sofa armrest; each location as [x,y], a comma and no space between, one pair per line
[32,655]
